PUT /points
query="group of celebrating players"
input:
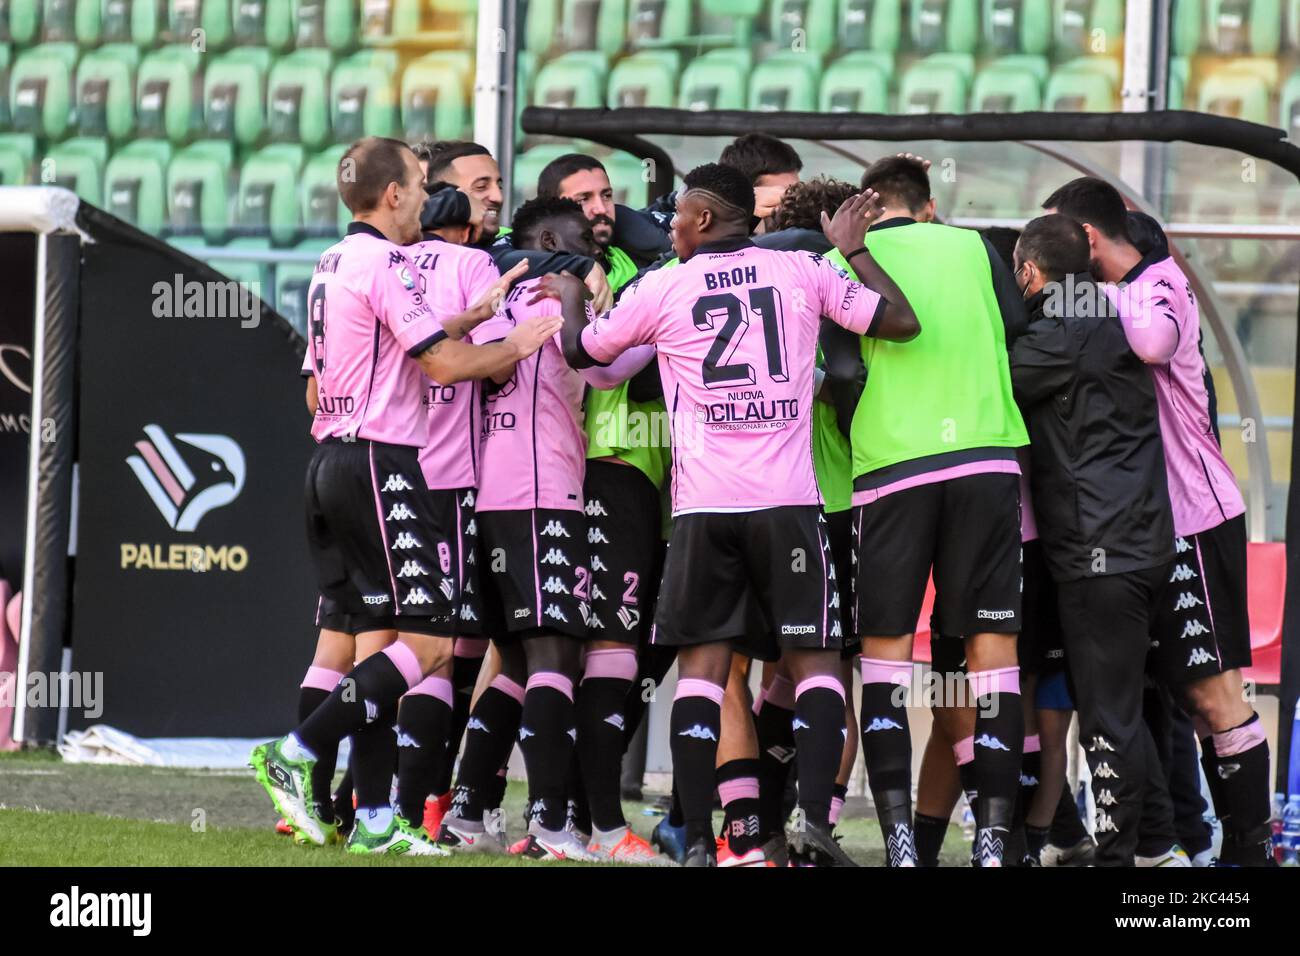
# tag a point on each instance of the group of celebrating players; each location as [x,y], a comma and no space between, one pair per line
[840,398]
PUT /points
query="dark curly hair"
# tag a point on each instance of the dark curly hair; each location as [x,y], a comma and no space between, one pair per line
[726,182]
[804,202]
[530,217]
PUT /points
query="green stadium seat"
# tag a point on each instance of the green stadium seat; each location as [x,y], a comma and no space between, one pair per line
[23,22]
[857,83]
[648,78]
[658,22]
[267,23]
[40,89]
[1178,71]
[78,164]
[870,24]
[1018,26]
[626,175]
[1012,84]
[254,274]
[1292,23]
[323,213]
[292,282]
[141,22]
[234,94]
[298,98]
[1235,92]
[6,61]
[1289,107]
[945,25]
[541,26]
[70,21]
[365,95]
[212,17]
[200,183]
[803,25]
[166,105]
[435,95]
[1075,87]
[717,80]
[939,83]
[1240,27]
[1213,201]
[105,81]
[331,23]
[382,19]
[135,184]
[575,79]
[269,202]
[17,154]
[530,163]
[1185,31]
[1080,25]
[786,81]
[525,73]
[598,25]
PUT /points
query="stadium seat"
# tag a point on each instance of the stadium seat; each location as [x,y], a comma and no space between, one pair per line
[599,25]
[1185,30]
[234,95]
[785,81]
[1077,87]
[626,175]
[857,83]
[939,83]
[212,17]
[870,24]
[135,184]
[657,22]
[1083,25]
[1289,107]
[1235,92]
[575,79]
[381,19]
[530,163]
[200,181]
[255,274]
[541,26]
[267,23]
[105,81]
[293,279]
[1012,84]
[365,95]
[298,98]
[268,194]
[648,78]
[1240,27]
[133,21]
[716,80]
[17,154]
[945,25]
[6,61]
[803,25]
[165,102]
[23,21]
[1214,200]
[70,21]
[331,23]
[78,164]
[525,73]
[1178,70]
[40,84]
[1265,597]
[1018,26]
[730,22]
[435,95]
[323,213]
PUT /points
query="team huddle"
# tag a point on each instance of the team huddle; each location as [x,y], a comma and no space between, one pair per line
[750,422]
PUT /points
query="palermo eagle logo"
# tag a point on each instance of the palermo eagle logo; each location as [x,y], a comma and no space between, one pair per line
[185,488]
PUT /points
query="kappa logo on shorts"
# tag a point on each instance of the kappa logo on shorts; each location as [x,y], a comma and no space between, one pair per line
[522,612]
[468,501]
[1028,780]
[397,483]
[596,593]
[593,621]
[555,556]
[1003,615]
[1181,545]
[699,732]
[375,598]
[597,564]
[1194,628]
[1099,743]
[467,612]
[596,536]
[835,629]
[796,629]
[1105,798]
[882,723]
[991,742]
[1105,824]
[629,617]
[405,541]
[400,512]
[412,569]
[472,528]
[1199,656]
[1182,573]
[835,600]
[1105,772]
[469,557]
[1187,600]
[554,585]
[448,589]
[554,529]
[595,509]
[184,490]
[555,613]
[417,596]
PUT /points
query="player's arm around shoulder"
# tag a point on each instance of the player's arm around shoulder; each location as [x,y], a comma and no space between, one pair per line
[894,318]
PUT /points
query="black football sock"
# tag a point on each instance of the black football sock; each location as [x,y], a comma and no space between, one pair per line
[738,790]
[464,675]
[695,725]
[315,690]
[423,718]
[839,794]
[819,744]
[930,832]
[372,688]
[887,752]
[999,743]
[489,738]
[600,745]
[676,818]
[374,761]
[579,809]
[774,725]
[1242,765]
[546,737]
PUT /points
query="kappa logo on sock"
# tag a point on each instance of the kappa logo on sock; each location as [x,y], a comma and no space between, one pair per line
[991,742]
[1182,573]
[799,724]
[397,483]
[525,733]
[554,529]
[629,617]
[1199,656]
[1105,772]
[1194,628]
[882,723]
[781,754]
[699,732]
[1099,743]
[597,564]
[1105,798]
[405,541]
[596,536]
[406,740]
[1105,823]
[1226,770]
[555,556]
[399,512]
[615,720]
[573,734]
[476,724]
[417,596]
[1187,600]
[412,569]
[554,585]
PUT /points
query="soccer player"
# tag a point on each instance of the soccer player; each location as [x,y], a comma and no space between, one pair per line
[372,336]
[936,486]
[1202,634]
[472,169]
[735,331]
[1103,516]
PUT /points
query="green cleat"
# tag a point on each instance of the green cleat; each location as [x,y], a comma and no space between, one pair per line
[288,782]
[399,838]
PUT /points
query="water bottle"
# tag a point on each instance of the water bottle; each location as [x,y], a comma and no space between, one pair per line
[1291,812]
[1275,825]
